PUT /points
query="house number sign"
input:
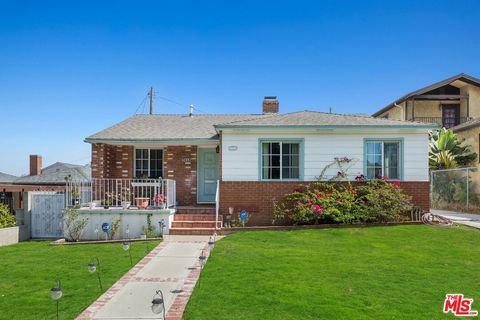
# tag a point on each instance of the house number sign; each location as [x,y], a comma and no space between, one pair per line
[186,160]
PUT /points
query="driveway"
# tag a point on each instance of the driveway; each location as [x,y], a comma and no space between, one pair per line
[468,219]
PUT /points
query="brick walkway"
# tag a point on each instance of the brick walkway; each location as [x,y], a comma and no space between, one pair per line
[172,267]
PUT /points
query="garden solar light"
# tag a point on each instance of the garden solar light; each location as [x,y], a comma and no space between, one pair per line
[126,247]
[211,242]
[158,303]
[202,258]
[56,293]
[92,268]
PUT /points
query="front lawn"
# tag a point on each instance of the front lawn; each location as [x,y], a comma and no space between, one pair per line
[28,270]
[400,272]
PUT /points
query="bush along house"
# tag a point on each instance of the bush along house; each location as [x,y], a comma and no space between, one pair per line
[257,158]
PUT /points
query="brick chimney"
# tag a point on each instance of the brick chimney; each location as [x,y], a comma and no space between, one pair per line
[35,165]
[270,104]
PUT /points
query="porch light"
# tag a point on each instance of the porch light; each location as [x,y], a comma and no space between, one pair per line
[56,294]
[158,303]
[92,268]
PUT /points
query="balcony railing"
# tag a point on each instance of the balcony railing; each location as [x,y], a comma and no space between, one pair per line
[121,192]
[440,121]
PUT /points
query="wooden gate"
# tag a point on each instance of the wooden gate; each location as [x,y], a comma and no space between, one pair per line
[47,221]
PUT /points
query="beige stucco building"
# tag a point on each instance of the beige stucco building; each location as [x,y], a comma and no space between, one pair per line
[452,103]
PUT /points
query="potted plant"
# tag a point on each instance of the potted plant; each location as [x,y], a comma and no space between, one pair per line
[159,200]
[125,198]
[108,200]
[142,203]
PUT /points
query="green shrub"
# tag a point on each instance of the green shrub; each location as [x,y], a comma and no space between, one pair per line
[7,220]
[381,201]
[373,201]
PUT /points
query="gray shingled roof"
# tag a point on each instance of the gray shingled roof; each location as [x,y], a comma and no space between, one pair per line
[6,178]
[184,127]
[56,174]
[315,118]
[167,127]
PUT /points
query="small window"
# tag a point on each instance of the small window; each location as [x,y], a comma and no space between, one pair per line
[148,163]
[383,159]
[385,116]
[280,160]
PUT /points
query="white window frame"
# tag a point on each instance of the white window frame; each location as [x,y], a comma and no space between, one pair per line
[281,142]
[135,160]
[382,154]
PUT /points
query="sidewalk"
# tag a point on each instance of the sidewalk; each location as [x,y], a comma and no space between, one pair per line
[169,267]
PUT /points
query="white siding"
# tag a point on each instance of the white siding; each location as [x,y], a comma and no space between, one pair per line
[319,151]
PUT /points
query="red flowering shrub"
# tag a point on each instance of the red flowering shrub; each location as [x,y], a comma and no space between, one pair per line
[374,201]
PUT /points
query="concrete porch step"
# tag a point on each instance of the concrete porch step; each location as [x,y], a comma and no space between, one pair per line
[196,217]
[196,210]
[195,224]
[193,231]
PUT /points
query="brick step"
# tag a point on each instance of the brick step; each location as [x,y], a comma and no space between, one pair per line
[193,231]
[195,217]
[196,210]
[195,224]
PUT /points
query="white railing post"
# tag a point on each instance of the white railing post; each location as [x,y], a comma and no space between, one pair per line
[217,204]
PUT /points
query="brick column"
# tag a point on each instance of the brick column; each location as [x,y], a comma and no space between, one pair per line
[180,164]
[110,161]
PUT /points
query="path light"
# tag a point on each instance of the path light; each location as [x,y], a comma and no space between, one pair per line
[126,247]
[211,242]
[158,303]
[202,259]
[56,293]
[92,268]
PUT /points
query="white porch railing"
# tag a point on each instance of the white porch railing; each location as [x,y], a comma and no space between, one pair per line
[217,204]
[114,192]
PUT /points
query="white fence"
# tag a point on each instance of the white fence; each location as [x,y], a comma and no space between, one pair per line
[46,210]
[117,192]
[455,189]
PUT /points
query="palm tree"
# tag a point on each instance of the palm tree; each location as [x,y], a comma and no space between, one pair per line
[447,152]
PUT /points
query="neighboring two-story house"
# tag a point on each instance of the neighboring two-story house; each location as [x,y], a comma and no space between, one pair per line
[452,103]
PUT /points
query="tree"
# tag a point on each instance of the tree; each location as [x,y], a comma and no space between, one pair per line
[447,151]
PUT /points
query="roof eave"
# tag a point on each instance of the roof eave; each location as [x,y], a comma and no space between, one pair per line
[351,127]
[132,141]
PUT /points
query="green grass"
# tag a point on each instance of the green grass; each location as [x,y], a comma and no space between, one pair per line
[400,272]
[28,270]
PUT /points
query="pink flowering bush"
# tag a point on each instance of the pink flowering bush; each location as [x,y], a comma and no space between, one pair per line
[321,202]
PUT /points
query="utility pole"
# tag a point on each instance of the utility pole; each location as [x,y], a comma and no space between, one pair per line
[151,94]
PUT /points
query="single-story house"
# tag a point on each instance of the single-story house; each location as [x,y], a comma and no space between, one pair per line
[257,158]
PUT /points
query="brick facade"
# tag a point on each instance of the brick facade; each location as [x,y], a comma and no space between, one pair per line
[257,197]
[110,161]
[180,164]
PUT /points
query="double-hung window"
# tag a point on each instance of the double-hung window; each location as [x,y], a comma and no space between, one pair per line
[148,163]
[280,160]
[383,159]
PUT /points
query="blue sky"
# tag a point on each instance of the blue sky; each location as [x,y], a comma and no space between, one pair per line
[71,68]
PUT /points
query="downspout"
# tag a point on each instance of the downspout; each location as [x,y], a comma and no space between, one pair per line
[402,112]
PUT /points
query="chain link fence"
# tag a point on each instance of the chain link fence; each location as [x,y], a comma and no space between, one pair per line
[455,189]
